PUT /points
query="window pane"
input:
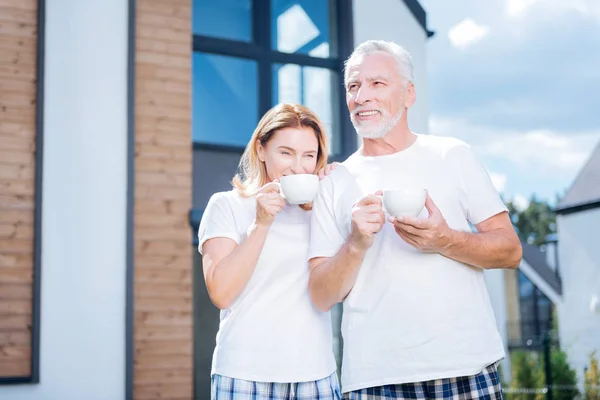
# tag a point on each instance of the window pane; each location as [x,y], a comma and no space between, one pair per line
[227,19]
[225,100]
[302,26]
[525,286]
[316,88]
[544,307]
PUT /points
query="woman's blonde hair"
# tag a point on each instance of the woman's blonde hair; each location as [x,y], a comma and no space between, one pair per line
[252,173]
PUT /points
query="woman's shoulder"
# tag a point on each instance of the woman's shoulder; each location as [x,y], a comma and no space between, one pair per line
[231,199]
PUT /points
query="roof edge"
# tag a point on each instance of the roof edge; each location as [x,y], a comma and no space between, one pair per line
[420,15]
[578,207]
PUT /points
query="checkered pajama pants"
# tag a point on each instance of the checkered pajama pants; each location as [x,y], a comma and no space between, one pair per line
[225,388]
[485,386]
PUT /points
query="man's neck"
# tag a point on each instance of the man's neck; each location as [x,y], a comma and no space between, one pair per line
[398,139]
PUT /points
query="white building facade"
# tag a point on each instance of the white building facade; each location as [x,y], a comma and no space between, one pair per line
[578,218]
[564,272]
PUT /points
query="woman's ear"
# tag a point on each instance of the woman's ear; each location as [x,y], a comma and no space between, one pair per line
[260,152]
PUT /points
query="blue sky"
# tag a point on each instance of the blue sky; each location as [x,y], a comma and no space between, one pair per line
[519,80]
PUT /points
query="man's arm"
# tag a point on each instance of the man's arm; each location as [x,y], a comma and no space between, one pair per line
[494,245]
[331,279]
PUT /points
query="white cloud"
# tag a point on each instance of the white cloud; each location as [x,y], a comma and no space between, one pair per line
[517,8]
[544,151]
[466,33]
[499,180]
[520,202]
[542,148]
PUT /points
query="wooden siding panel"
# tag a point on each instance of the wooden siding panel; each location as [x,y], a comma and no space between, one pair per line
[18,41]
[163,362]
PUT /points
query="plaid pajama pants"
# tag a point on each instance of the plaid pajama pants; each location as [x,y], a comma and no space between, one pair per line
[225,388]
[484,386]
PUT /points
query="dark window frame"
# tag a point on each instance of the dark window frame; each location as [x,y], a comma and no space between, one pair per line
[535,324]
[260,51]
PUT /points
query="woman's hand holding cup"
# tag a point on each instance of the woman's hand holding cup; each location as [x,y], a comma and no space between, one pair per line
[268,203]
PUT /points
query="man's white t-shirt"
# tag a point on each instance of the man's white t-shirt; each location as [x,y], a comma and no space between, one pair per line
[272,332]
[411,316]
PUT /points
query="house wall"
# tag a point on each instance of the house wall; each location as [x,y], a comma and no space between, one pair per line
[513,309]
[579,263]
[392,20]
[163,197]
[18,40]
[83,256]
[496,287]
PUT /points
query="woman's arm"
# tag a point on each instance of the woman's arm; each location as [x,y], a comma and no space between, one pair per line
[228,267]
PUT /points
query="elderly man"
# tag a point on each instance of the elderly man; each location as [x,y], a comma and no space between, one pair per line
[417,320]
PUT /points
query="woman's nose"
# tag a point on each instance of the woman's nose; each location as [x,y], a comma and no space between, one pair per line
[296,166]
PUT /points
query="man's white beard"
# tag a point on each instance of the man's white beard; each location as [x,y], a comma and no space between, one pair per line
[372,131]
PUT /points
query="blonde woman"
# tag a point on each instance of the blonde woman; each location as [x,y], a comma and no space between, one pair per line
[272,342]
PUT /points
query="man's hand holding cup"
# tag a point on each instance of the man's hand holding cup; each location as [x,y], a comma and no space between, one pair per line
[368,219]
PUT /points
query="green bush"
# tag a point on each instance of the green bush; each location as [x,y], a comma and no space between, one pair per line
[526,374]
[563,376]
[529,373]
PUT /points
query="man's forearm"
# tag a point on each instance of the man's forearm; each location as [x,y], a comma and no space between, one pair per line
[493,249]
[332,279]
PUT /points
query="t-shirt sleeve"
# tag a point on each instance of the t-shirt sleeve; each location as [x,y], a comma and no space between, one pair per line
[217,221]
[481,197]
[325,236]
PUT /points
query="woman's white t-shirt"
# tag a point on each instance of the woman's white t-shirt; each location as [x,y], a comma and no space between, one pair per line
[272,332]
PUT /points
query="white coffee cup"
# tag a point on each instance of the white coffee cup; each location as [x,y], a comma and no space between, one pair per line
[404,202]
[299,188]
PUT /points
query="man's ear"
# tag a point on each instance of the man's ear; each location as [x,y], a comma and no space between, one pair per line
[411,95]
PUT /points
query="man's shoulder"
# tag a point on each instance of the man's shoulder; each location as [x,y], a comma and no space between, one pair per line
[444,147]
[443,143]
[338,177]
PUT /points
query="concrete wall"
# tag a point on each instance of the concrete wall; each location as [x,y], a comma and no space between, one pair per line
[392,20]
[579,263]
[84,204]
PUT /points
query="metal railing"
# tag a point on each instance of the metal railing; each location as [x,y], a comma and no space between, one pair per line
[529,334]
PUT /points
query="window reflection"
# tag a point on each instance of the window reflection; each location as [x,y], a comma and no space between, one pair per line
[313,87]
[225,99]
[301,26]
[226,19]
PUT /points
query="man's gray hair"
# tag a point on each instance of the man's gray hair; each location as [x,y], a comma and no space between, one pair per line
[402,57]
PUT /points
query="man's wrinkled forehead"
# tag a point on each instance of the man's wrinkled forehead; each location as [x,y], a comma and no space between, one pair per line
[365,67]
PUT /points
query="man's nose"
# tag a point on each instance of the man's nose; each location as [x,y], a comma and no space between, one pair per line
[363,95]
